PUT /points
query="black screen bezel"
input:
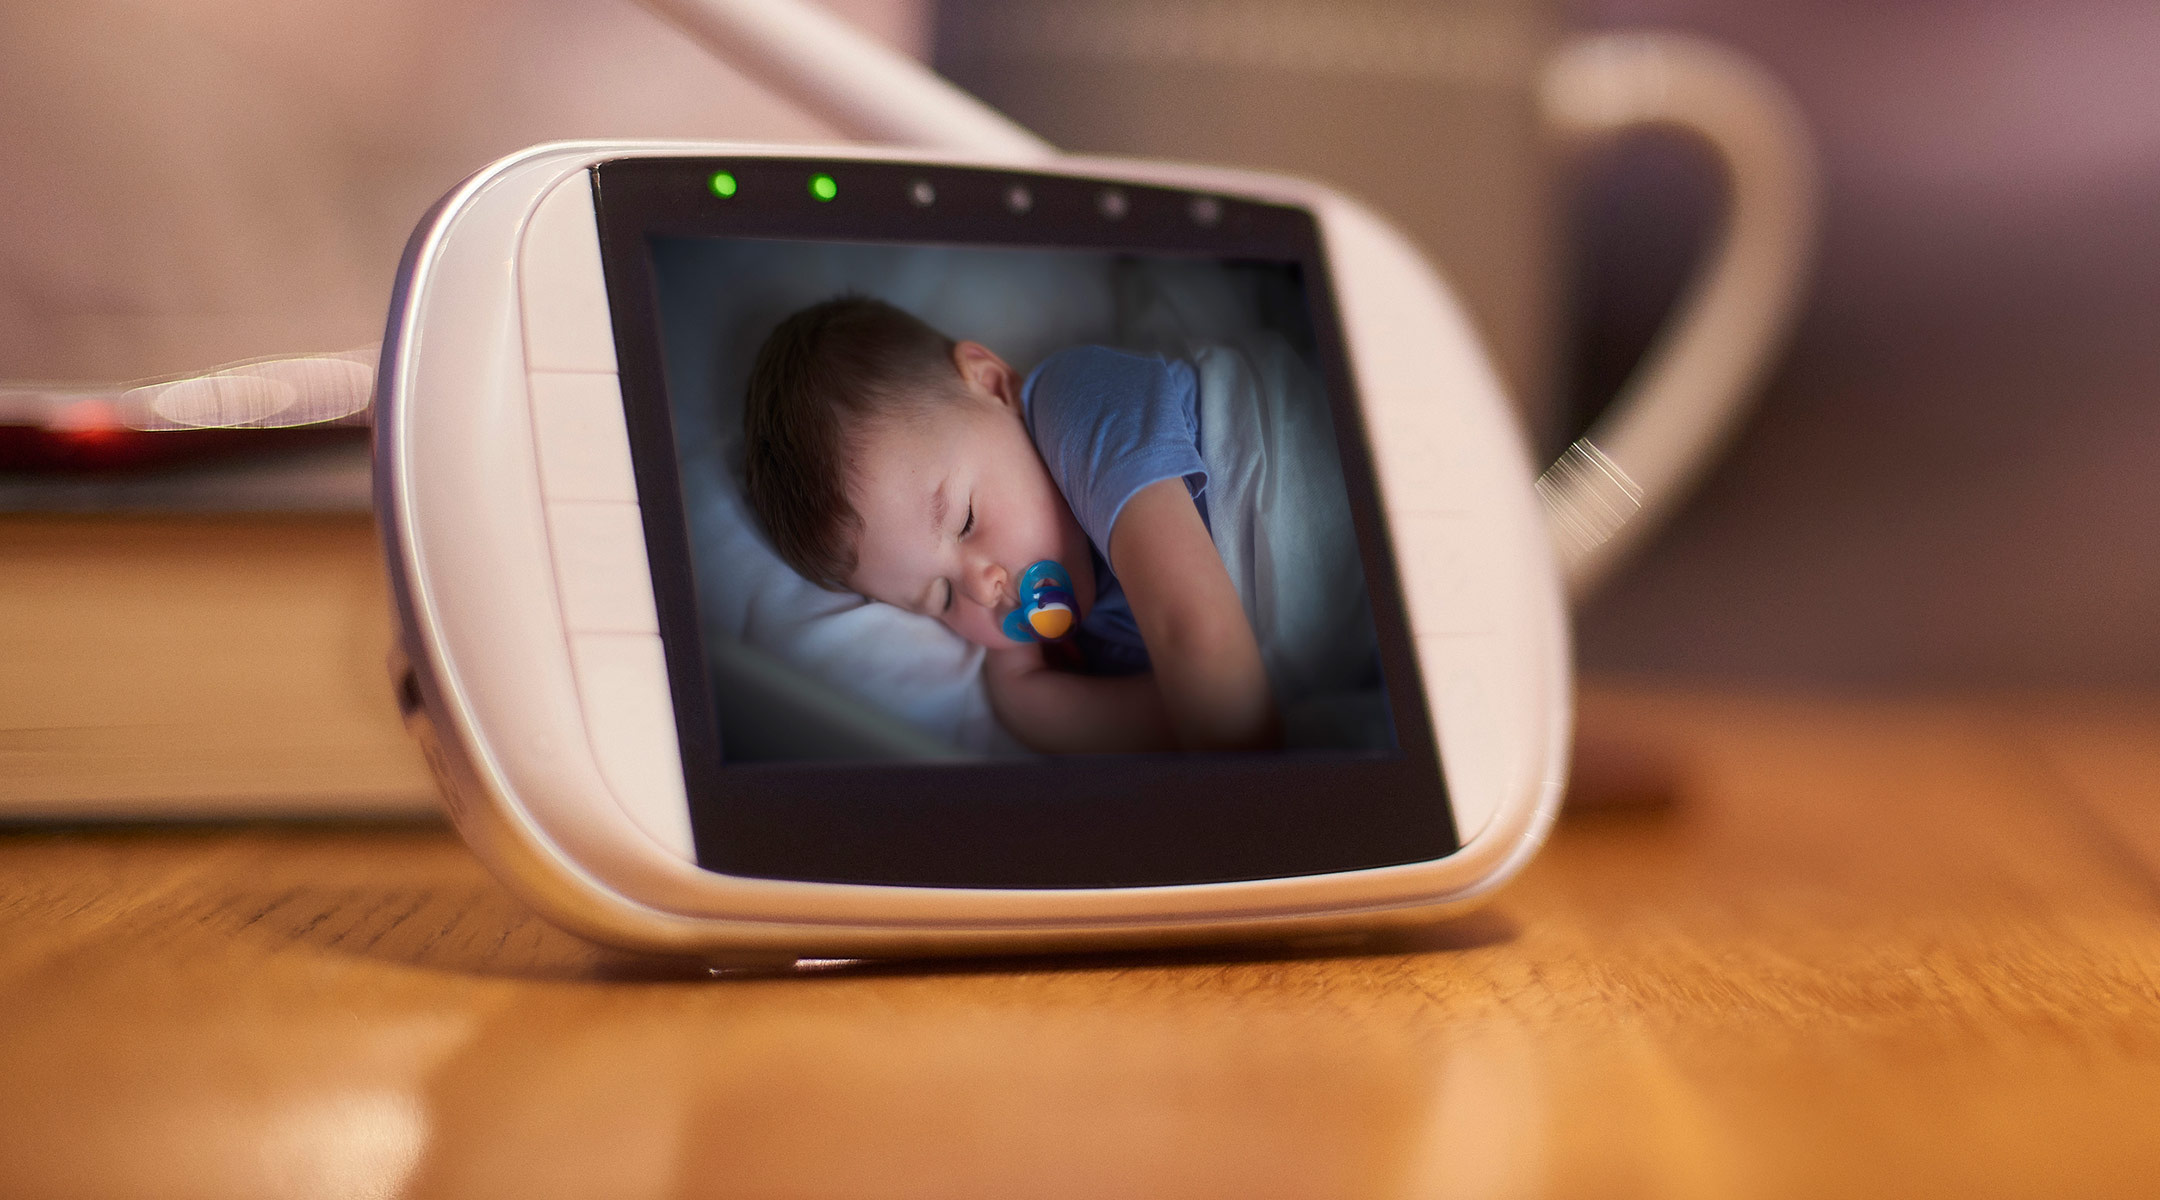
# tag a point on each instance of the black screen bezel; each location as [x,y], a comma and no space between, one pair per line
[1079,822]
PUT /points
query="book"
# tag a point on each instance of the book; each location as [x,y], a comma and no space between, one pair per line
[199,665]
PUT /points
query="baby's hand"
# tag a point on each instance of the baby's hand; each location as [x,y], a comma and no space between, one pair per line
[1059,712]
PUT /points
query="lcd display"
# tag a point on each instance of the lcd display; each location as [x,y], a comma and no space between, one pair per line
[878,444]
[1053,511]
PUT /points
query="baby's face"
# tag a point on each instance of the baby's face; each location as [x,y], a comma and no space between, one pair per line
[956,503]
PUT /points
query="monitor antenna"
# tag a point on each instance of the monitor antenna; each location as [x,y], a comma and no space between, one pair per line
[859,85]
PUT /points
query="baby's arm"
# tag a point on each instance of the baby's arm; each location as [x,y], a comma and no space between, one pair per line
[1206,661]
[1057,712]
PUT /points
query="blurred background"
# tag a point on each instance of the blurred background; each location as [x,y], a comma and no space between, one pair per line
[1951,479]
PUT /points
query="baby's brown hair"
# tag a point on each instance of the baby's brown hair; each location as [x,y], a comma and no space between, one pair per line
[841,361]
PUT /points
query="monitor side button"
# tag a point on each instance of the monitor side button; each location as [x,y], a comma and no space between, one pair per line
[1469,722]
[1443,577]
[601,570]
[561,285]
[630,720]
[584,444]
[1418,454]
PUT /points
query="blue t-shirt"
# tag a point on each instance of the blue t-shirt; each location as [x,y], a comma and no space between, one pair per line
[1109,423]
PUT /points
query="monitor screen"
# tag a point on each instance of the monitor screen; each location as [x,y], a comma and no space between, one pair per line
[1010,529]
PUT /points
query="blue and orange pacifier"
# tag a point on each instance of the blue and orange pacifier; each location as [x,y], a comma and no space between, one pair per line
[1047,611]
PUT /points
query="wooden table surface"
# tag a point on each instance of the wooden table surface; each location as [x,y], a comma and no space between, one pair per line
[1778,947]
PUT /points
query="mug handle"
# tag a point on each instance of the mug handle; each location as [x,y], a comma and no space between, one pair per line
[1611,488]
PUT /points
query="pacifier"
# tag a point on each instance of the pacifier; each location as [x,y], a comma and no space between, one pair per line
[1047,610]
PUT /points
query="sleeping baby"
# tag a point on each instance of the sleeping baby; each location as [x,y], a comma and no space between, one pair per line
[884,458]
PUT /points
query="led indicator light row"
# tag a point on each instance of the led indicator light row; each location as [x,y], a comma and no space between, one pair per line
[1206,210]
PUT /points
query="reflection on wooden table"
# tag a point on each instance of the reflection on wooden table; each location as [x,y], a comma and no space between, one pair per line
[1778,947]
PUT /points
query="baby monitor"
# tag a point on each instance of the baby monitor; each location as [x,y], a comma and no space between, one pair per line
[836,551]
[662,733]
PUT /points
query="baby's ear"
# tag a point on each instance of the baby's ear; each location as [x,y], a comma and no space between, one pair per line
[981,370]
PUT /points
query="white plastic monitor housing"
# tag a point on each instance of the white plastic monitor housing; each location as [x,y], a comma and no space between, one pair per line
[532,669]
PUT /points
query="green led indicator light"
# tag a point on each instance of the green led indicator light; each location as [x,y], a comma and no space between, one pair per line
[823,187]
[722,184]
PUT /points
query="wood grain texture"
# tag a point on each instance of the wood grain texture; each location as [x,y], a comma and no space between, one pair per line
[1780,947]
